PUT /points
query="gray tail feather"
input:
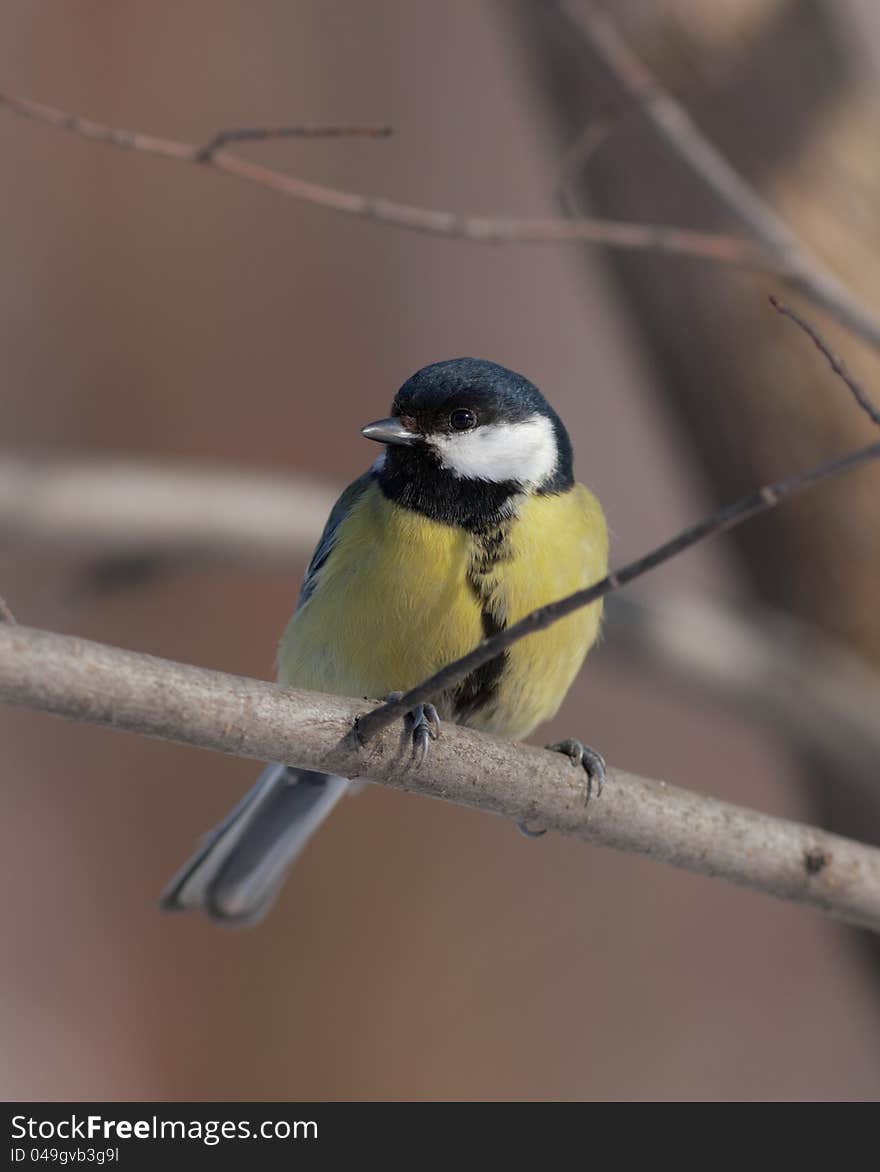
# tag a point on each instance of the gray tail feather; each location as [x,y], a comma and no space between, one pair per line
[238,870]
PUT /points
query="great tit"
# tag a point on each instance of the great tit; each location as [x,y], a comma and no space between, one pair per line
[469,519]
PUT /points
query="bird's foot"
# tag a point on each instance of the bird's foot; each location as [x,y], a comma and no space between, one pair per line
[424,722]
[592,762]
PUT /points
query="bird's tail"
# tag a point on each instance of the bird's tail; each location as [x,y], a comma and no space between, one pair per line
[236,873]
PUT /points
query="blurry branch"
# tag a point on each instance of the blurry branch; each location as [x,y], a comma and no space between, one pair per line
[672,121]
[707,246]
[780,252]
[781,671]
[6,615]
[96,684]
[116,509]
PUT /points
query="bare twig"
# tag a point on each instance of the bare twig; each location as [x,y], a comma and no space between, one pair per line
[6,615]
[102,685]
[675,125]
[306,130]
[706,246]
[834,361]
[727,518]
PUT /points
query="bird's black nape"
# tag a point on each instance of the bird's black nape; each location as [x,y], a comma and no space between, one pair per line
[413,476]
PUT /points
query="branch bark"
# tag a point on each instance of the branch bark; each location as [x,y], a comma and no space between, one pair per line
[101,685]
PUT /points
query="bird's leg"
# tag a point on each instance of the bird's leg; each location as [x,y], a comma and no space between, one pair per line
[590,761]
[425,722]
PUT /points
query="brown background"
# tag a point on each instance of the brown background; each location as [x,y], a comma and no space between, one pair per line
[418,951]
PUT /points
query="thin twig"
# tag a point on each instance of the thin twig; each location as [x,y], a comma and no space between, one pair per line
[102,685]
[6,615]
[727,518]
[672,121]
[834,361]
[707,246]
[305,130]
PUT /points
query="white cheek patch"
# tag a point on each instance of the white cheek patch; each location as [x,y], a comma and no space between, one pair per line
[523,451]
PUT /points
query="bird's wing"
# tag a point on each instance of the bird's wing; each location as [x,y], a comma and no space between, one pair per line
[328,538]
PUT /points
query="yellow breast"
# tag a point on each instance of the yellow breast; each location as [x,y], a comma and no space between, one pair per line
[396,600]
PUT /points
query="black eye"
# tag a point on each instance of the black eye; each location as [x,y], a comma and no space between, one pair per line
[462,419]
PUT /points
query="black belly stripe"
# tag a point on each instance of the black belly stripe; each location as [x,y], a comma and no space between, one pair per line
[480,688]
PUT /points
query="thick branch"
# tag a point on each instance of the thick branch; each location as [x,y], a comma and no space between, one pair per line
[481,229]
[684,137]
[102,685]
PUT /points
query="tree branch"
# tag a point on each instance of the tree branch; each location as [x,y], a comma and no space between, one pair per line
[780,252]
[480,229]
[92,683]
[672,121]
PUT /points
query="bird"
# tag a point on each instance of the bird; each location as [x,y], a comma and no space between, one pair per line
[469,519]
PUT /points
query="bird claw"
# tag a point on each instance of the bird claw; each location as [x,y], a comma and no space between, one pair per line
[592,762]
[527,832]
[425,728]
[425,722]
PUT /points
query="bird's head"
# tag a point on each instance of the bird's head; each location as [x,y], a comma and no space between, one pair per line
[470,428]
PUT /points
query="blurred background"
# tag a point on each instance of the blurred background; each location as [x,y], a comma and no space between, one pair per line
[151,310]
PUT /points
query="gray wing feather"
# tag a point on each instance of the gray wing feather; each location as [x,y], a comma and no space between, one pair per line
[328,538]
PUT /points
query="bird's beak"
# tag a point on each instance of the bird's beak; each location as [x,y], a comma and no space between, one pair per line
[390,431]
